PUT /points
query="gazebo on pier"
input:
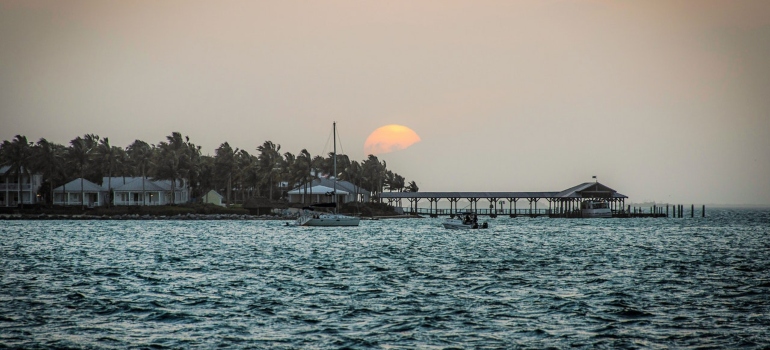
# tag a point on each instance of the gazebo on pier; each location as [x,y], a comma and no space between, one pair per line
[560,204]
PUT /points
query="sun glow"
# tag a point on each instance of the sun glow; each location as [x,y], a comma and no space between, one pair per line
[390,138]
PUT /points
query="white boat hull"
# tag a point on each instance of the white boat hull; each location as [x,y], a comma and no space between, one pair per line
[328,220]
[596,213]
[460,225]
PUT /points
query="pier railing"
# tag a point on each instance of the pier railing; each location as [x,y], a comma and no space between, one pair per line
[635,213]
[490,212]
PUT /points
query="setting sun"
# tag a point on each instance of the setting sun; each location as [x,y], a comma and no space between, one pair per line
[390,138]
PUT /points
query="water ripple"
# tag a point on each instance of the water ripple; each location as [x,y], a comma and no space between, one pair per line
[640,283]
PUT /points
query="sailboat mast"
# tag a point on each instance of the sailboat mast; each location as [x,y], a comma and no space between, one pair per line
[334,136]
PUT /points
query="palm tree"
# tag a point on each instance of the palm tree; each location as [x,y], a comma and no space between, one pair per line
[17,155]
[304,166]
[93,172]
[193,166]
[172,162]
[400,182]
[353,173]
[107,157]
[390,180]
[269,161]
[412,187]
[225,166]
[244,162]
[288,170]
[140,155]
[343,162]
[206,174]
[374,172]
[78,155]
[47,159]
[251,174]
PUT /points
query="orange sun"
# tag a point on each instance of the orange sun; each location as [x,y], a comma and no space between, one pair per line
[390,138]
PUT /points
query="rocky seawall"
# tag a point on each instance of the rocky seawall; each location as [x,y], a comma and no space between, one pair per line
[143,217]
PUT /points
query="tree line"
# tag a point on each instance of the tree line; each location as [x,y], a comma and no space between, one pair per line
[235,172]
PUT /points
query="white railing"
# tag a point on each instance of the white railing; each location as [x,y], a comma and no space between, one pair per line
[135,203]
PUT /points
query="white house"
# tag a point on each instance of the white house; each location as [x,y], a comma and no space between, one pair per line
[70,194]
[145,191]
[15,190]
[125,191]
[322,189]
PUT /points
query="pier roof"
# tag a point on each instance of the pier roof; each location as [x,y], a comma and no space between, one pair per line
[589,190]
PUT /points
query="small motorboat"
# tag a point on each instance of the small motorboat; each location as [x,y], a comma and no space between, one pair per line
[467,222]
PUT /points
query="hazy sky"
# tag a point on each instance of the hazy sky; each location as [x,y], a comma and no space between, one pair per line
[664,101]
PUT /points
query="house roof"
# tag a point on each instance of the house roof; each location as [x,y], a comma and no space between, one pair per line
[121,181]
[317,189]
[342,186]
[74,186]
[136,186]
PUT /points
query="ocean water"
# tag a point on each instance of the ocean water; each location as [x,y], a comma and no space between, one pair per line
[391,284]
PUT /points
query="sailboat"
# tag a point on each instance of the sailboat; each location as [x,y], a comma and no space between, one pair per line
[310,217]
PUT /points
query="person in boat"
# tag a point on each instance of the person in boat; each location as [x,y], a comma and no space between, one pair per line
[467,219]
[475,219]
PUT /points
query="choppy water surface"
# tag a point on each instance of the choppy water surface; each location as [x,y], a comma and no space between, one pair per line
[685,283]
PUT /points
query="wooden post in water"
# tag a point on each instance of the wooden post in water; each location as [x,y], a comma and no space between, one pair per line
[703,211]
[692,210]
[666,210]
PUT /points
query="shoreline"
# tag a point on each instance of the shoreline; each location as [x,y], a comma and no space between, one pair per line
[185,217]
[205,217]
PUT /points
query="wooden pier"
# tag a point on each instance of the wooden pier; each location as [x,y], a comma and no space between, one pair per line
[534,213]
[563,204]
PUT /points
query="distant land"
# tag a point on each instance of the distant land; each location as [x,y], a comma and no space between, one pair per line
[708,205]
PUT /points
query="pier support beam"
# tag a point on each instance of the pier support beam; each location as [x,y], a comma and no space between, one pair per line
[492,207]
[474,204]
[451,201]
[413,205]
[433,212]
[532,200]
[512,201]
